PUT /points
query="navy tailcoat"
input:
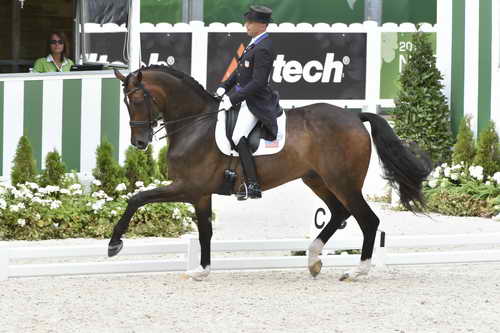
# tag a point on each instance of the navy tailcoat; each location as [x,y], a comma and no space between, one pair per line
[251,83]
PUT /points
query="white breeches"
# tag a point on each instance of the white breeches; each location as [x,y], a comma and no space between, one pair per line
[244,124]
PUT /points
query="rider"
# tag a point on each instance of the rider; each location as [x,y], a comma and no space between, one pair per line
[258,101]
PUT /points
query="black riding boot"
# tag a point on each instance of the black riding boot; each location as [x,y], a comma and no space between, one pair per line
[252,189]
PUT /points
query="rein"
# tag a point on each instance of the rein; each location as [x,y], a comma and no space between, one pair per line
[152,122]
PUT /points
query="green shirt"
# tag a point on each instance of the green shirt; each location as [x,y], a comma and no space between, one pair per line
[47,64]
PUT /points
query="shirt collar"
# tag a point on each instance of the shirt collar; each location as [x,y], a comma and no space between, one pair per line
[51,59]
[256,37]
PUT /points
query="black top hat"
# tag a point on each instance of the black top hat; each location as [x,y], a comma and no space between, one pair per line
[260,14]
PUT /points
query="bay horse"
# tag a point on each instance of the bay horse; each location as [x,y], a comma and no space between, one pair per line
[326,146]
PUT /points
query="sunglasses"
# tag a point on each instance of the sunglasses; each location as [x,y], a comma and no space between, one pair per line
[56,41]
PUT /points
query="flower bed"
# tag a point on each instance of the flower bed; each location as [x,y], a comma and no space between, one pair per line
[461,191]
[33,212]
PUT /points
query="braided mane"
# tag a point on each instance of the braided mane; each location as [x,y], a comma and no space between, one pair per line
[186,78]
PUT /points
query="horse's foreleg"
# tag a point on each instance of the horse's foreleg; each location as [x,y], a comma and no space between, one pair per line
[171,193]
[204,216]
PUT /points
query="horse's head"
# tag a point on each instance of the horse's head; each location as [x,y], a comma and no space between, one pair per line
[141,107]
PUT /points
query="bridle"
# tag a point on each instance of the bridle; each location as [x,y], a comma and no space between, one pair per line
[152,121]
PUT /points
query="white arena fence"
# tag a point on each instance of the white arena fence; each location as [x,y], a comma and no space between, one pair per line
[189,251]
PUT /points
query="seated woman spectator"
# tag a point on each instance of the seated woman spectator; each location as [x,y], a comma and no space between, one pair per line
[57,60]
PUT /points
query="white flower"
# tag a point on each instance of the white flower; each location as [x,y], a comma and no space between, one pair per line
[139,184]
[166,182]
[17,208]
[65,191]
[476,172]
[436,173]
[113,212]
[98,205]
[98,194]
[487,182]
[433,183]
[37,200]
[187,220]
[447,172]
[56,225]
[75,187]
[78,192]
[496,177]
[52,189]
[444,165]
[121,187]
[55,204]
[96,182]
[3,204]
[33,186]
[37,216]
[454,176]
[21,222]
[190,208]
[17,194]
[176,213]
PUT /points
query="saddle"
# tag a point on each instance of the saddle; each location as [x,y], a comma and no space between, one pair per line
[254,136]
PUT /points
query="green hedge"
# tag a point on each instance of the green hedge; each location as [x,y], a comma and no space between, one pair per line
[31,212]
[56,205]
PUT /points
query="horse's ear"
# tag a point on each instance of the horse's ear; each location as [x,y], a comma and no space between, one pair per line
[139,76]
[119,75]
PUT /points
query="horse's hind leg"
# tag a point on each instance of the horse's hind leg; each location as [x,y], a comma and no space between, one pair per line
[368,223]
[339,215]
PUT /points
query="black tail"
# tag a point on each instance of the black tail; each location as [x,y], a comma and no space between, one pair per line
[405,166]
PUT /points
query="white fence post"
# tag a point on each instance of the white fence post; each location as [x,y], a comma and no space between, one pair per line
[381,254]
[199,52]
[193,255]
[443,42]
[373,65]
[4,263]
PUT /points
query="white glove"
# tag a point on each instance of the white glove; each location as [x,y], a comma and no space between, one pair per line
[220,92]
[225,104]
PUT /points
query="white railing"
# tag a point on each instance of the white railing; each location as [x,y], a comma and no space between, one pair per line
[190,252]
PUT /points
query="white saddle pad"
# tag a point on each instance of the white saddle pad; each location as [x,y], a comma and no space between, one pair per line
[265,147]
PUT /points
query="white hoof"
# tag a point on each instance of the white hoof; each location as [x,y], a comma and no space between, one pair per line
[199,274]
[313,260]
[361,270]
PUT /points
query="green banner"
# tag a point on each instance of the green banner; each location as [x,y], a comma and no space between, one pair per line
[294,11]
[395,49]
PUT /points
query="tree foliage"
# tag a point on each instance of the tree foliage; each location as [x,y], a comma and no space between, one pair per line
[421,114]
[488,150]
[23,169]
[107,169]
[55,170]
[464,150]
